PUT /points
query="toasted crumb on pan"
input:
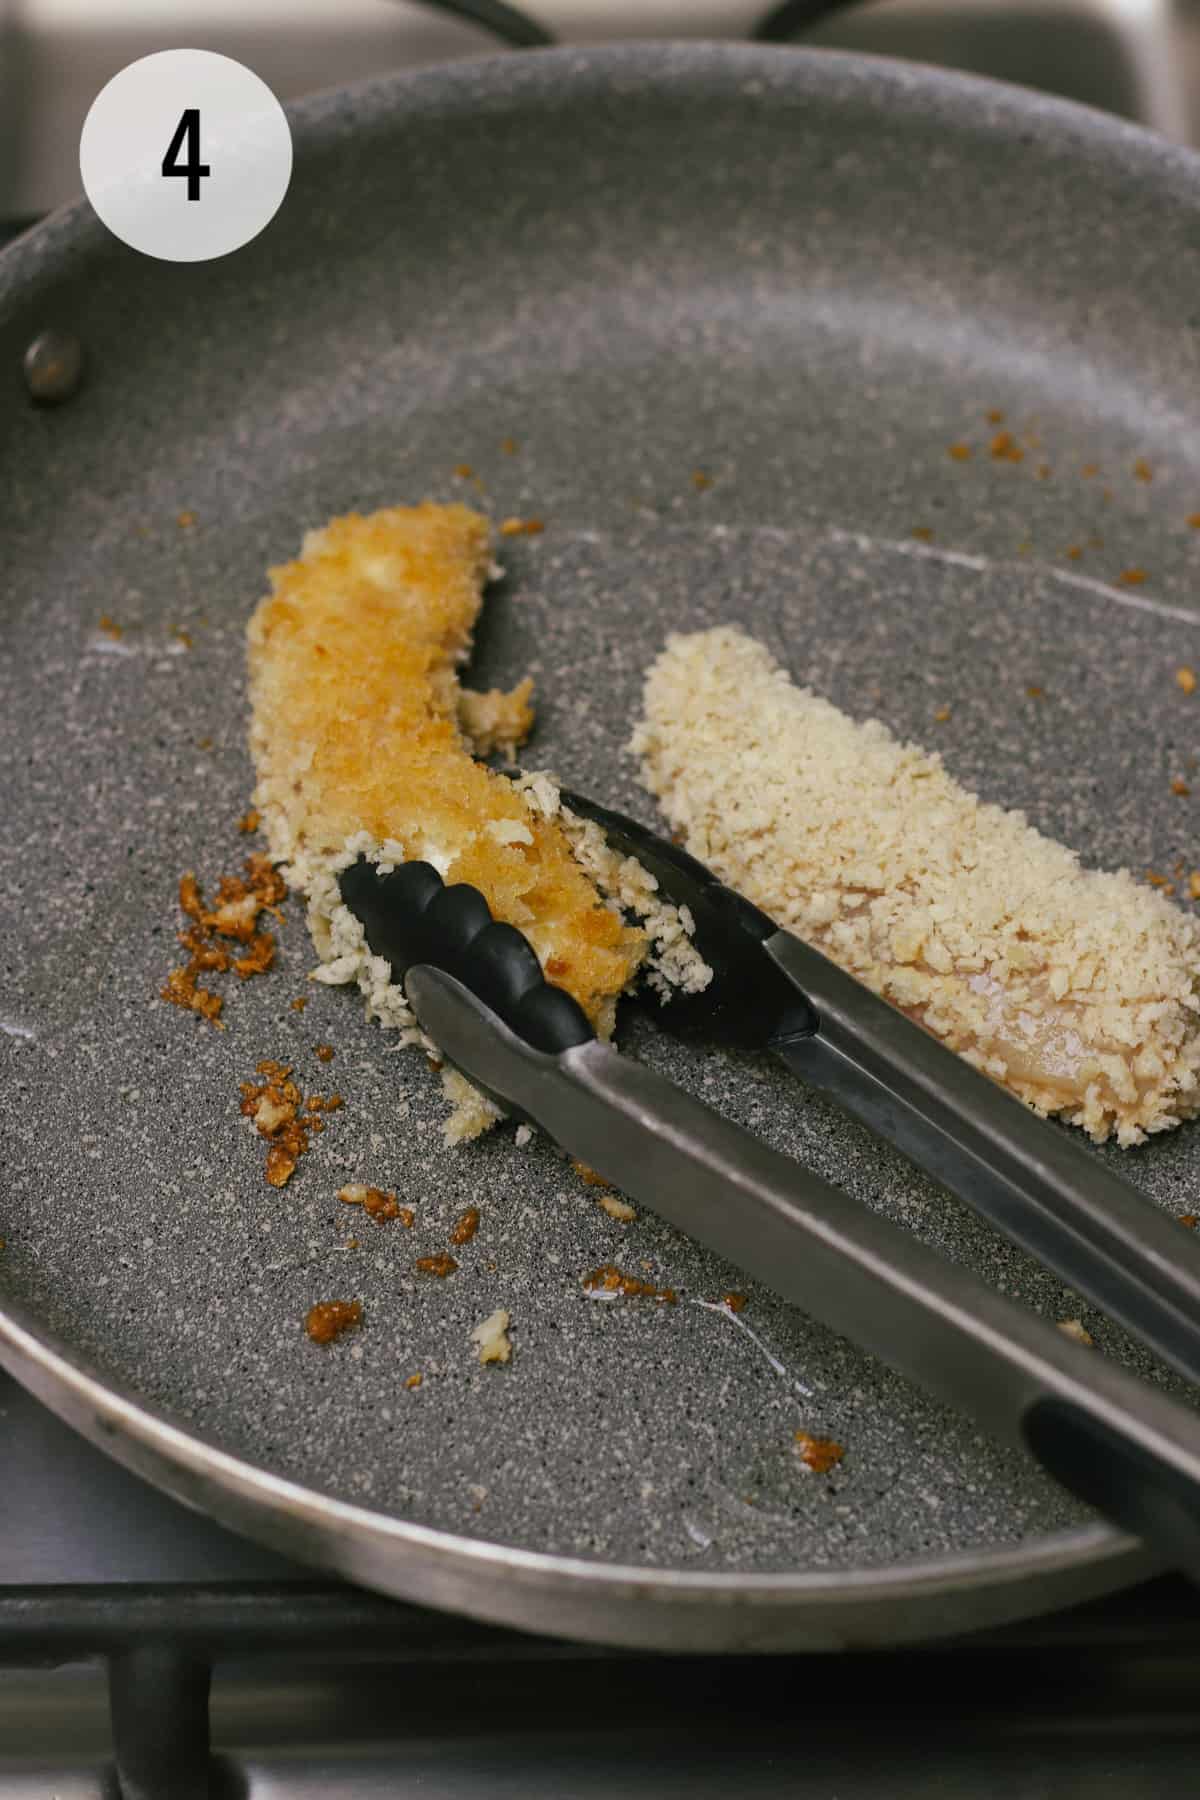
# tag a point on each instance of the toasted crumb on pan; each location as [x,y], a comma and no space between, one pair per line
[328,1319]
[1075,988]
[441,1264]
[818,1454]
[376,1203]
[492,1339]
[1075,1328]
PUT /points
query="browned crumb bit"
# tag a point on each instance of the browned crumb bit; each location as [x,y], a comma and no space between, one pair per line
[608,1279]
[185,519]
[281,1165]
[110,626]
[509,446]
[250,820]
[1075,1328]
[1089,471]
[1180,787]
[1186,679]
[1142,470]
[960,452]
[1132,577]
[1074,551]
[185,638]
[923,534]
[521,527]
[464,471]
[299,1003]
[441,1265]
[377,1204]
[181,989]
[1194,521]
[1005,448]
[615,1208]
[819,1454]
[941,715]
[1035,692]
[204,743]
[1044,471]
[329,1318]
[414,1381]
[1194,885]
[589,1177]
[274,1104]
[1190,1220]
[735,1302]
[465,1227]
[700,480]
[240,900]
[995,417]
[2,1243]
[324,1052]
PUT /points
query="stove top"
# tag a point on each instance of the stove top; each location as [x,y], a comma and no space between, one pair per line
[147,1654]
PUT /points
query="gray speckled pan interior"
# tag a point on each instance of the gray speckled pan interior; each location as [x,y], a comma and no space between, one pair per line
[805,276]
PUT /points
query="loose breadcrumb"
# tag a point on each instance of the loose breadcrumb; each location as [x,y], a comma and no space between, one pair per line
[1186,679]
[1075,988]
[1005,448]
[440,1265]
[414,1381]
[587,1175]
[492,1339]
[1075,1328]
[608,1279]
[464,1227]
[274,1104]
[328,1319]
[615,1208]
[818,1454]
[377,1204]
[240,901]
[363,746]
[521,527]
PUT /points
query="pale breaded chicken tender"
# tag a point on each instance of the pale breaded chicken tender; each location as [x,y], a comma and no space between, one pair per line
[363,743]
[1075,988]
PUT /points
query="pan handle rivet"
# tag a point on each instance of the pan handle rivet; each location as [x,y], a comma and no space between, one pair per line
[53,367]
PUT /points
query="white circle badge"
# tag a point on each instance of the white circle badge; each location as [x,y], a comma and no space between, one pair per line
[186,155]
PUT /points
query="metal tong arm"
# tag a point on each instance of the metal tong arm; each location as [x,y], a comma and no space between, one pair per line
[1028,1177]
[1130,1452]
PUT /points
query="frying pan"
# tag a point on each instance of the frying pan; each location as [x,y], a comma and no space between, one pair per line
[715,315]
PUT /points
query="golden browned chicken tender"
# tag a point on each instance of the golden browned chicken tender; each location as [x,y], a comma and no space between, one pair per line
[363,743]
[1076,988]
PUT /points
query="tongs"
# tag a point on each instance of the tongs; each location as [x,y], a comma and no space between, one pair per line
[1117,1443]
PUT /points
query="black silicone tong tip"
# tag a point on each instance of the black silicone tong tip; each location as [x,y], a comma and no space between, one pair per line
[749,1002]
[411,917]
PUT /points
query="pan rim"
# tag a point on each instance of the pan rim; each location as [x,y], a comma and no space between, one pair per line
[660,1607]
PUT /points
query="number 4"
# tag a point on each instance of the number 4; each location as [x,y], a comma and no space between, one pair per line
[187,136]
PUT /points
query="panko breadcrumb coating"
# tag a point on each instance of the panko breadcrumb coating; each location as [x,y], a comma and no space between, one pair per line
[1075,988]
[364,741]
